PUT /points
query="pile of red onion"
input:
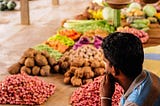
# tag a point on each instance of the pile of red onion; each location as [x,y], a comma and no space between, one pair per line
[22,89]
[88,95]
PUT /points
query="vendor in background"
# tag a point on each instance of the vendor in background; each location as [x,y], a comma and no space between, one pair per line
[124,59]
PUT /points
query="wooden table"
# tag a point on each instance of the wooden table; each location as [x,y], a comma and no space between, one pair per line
[154,34]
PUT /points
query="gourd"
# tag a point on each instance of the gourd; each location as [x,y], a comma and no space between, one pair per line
[11,5]
[3,6]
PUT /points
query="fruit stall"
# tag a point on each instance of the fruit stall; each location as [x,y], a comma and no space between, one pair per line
[66,68]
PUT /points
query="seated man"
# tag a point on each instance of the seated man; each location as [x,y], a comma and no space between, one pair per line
[124,58]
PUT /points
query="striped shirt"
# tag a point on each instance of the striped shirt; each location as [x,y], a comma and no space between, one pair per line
[144,91]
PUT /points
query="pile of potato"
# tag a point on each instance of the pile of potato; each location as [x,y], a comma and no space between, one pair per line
[82,65]
[34,62]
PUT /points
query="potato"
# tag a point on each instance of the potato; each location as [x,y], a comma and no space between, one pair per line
[68,74]
[88,73]
[76,81]
[56,68]
[29,52]
[99,71]
[78,62]
[25,69]
[41,60]
[87,63]
[45,70]
[73,69]
[64,65]
[87,80]
[35,70]
[67,80]
[66,58]
[95,64]
[14,69]
[29,62]
[51,61]
[22,60]
[79,73]
[45,53]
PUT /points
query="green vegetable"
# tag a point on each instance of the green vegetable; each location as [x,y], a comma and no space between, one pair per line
[144,21]
[1,0]
[134,5]
[3,6]
[11,5]
[139,26]
[53,53]
[108,13]
[63,39]
[86,25]
[117,18]
[149,10]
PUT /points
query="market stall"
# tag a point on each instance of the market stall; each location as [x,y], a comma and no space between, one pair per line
[72,57]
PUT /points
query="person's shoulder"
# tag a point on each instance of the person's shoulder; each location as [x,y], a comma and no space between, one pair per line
[151,74]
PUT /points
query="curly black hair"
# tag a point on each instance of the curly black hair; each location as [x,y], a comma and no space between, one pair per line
[125,52]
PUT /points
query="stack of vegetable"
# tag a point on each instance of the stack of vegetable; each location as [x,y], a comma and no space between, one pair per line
[70,33]
[143,36]
[89,94]
[7,5]
[22,89]
[96,41]
[82,65]
[34,63]
[96,32]
[53,53]
[85,25]
[60,43]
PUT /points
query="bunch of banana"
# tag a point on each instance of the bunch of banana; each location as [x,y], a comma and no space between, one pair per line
[97,15]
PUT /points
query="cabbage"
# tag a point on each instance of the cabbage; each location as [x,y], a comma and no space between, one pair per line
[108,13]
[134,5]
[149,10]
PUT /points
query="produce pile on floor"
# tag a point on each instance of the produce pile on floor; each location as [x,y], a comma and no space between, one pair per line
[89,94]
[75,52]
[22,89]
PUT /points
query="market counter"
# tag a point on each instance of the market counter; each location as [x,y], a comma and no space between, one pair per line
[154,35]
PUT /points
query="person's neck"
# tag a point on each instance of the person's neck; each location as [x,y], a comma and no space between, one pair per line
[125,83]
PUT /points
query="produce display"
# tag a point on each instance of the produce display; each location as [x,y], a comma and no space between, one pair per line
[82,65]
[96,32]
[60,43]
[75,51]
[7,5]
[85,25]
[89,94]
[34,63]
[22,89]
[96,41]
[143,36]
[70,33]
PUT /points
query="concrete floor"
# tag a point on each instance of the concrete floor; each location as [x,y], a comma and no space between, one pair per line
[45,20]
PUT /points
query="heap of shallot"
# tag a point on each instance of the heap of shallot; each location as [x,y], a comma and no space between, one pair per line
[22,89]
[89,95]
